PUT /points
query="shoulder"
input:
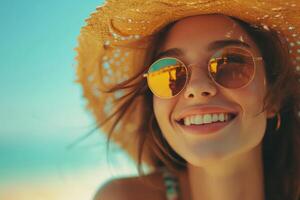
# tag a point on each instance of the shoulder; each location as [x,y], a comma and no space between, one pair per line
[146,187]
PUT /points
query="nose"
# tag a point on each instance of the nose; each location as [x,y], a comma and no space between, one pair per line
[199,83]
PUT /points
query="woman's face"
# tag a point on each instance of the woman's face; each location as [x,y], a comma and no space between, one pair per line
[200,145]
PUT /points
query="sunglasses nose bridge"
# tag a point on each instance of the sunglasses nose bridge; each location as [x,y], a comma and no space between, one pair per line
[196,66]
[200,76]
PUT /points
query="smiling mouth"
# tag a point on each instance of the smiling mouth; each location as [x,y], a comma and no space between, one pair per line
[207,119]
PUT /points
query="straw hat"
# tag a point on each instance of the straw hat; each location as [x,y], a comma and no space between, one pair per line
[113,44]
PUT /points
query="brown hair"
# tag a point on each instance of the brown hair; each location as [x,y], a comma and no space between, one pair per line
[281,148]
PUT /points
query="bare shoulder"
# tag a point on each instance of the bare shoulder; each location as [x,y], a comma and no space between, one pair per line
[133,188]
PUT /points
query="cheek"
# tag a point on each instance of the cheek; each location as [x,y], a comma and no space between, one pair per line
[257,90]
[163,110]
[251,98]
[160,109]
[251,101]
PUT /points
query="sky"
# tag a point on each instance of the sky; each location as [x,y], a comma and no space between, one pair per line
[42,110]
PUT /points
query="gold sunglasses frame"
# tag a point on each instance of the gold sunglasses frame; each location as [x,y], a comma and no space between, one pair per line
[189,72]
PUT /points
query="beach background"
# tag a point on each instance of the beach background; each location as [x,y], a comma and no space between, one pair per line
[42,112]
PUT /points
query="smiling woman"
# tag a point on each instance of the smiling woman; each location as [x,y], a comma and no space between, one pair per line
[207,98]
[209,144]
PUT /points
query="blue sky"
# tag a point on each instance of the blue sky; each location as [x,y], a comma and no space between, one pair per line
[37,41]
[41,108]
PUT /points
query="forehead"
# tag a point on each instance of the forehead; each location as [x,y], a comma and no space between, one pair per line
[194,34]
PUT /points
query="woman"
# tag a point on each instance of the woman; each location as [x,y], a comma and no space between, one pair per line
[205,93]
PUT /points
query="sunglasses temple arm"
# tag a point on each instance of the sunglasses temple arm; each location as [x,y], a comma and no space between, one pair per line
[258,58]
[145,74]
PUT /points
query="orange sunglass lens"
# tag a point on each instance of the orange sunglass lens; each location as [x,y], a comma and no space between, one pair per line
[232,67]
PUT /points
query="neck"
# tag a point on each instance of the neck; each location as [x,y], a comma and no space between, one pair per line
[240,177]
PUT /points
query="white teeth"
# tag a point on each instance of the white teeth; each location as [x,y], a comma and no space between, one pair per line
[226,117]
[221,117]
[187,121]
[215,117]
[205,119]
[192,120]
[199,119]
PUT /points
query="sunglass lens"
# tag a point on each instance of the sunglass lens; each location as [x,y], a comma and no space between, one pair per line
[167,77]
[232,67]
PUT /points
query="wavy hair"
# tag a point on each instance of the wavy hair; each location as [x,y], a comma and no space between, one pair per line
[281,148]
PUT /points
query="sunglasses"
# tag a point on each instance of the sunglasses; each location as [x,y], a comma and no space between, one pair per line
[230,68]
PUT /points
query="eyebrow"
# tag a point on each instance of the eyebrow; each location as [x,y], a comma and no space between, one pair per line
[218,44]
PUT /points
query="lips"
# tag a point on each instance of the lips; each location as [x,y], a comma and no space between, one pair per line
[188,119]
[205,129]
[229,117]
[201,110]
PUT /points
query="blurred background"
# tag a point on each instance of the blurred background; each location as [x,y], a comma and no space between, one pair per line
[42,112]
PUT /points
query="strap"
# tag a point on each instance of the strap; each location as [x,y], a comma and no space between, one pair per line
[171,183]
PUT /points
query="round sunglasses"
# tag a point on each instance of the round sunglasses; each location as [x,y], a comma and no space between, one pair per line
[231,68]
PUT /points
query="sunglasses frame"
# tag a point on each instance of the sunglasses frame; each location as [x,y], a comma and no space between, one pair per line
[189,72]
